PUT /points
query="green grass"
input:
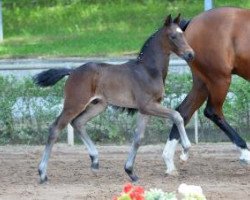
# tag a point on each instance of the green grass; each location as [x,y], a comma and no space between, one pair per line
[88,28]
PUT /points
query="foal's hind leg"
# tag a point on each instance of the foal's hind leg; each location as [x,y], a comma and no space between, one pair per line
[142,121]
[65,117]
[79,125]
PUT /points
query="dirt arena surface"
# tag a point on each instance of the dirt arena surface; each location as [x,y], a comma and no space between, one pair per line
[215,167]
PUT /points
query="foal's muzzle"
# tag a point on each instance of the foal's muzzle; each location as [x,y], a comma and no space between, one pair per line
[188,56]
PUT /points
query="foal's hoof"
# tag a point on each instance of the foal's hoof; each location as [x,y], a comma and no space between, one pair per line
[43,180]
[43,177]
[95,168]
[132,176]
[172,173]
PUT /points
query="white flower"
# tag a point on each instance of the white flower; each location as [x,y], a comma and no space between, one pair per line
[191,192]
[158,194]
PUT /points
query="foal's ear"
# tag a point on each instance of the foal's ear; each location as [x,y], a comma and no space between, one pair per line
[168,20]
[177,19]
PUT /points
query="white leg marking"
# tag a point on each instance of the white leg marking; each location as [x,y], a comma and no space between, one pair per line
[245,156]
[184,156]
[168,156]
[178,120]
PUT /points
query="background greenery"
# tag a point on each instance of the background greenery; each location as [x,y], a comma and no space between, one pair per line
[50,28]
[86,27]
[26,112]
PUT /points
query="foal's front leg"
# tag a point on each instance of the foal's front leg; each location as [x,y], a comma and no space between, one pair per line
[142,121]
[157,109]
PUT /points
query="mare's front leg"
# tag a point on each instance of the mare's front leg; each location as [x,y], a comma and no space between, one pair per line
[142,121]
[157,109]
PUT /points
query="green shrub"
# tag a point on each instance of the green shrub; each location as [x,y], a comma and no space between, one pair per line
[26,112]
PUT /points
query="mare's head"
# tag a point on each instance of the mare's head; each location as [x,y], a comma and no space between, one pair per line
[174,39]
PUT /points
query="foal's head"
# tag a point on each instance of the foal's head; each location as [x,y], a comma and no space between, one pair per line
[174,39]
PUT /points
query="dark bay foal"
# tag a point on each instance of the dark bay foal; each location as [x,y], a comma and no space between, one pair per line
[137,84]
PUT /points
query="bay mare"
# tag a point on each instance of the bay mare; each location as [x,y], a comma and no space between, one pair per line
[137,84]
[220,39]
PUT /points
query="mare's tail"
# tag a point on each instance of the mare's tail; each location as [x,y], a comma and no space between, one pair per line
[51,76]
[184,24]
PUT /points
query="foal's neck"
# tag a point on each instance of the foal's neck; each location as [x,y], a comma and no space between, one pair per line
[153,56]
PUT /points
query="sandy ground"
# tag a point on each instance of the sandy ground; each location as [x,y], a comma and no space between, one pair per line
[215,167]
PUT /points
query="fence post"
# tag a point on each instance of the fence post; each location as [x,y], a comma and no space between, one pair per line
[1,22]
[196,133]
[70,135]
[208,4]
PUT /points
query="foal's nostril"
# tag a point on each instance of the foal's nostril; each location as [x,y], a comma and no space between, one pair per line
[189,56]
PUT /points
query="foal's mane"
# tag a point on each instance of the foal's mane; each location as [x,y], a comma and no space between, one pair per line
[146,45]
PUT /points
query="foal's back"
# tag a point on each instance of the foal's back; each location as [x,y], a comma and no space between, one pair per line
[221,39]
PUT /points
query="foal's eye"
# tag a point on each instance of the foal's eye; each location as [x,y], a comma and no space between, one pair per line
[173,36]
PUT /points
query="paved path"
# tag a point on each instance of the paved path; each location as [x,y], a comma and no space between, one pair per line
[31,66]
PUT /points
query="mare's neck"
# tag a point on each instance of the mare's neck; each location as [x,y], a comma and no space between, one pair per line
[153,57]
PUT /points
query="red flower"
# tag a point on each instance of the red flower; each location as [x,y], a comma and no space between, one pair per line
[127,188]
[134,192]
[137,193]
[139,189]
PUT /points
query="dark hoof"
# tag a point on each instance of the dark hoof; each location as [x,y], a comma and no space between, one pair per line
[95,166]
[43,180]
[132,176]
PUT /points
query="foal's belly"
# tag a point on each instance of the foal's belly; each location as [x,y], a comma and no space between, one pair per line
[121,100]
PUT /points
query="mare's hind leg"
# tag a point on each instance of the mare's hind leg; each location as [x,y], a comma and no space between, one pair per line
[65,117]
[190,104]
[142,121]
[79,125]
[218,90]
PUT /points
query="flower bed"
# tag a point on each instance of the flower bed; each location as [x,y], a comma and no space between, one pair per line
[185,192]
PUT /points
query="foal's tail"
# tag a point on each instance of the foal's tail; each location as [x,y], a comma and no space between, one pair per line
[184,24]
[51,76]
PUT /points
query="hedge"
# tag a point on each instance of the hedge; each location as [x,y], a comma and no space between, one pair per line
[26,112]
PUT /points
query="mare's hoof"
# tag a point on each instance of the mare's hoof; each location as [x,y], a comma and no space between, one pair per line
[183,158]
[245,157]
[172,173]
